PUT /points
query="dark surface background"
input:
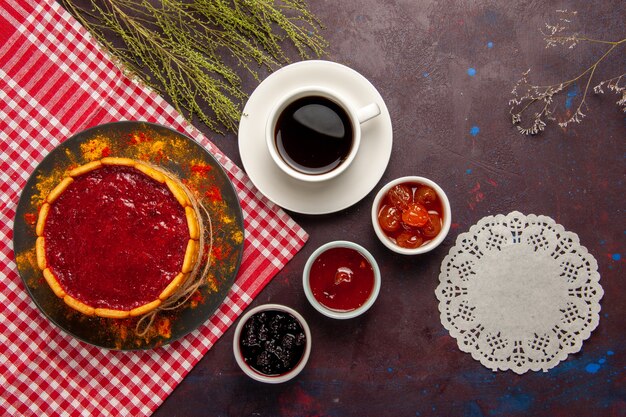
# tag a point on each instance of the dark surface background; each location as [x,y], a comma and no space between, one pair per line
[451,124]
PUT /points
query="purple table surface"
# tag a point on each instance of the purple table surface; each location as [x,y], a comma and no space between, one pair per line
[446,70]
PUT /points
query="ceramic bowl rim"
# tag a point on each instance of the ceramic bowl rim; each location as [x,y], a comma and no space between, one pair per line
[269,378]
[342,315]
[447,218]
[305,91]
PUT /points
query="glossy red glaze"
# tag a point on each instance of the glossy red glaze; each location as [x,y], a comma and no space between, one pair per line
[341,279]
[413,201]
[115,238]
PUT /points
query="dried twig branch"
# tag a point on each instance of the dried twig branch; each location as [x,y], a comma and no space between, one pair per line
[540,99]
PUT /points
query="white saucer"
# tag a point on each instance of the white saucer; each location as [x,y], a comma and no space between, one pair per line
[327,196]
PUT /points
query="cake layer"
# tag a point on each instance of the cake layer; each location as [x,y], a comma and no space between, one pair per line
[115,237]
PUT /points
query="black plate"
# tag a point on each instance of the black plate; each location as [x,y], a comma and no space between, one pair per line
[196,167]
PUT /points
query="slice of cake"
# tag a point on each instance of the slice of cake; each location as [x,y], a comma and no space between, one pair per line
[117,237]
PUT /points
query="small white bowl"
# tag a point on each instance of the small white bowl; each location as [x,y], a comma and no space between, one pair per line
[445,227]
[256,375]
[334,313]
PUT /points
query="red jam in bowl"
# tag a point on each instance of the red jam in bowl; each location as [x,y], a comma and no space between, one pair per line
[341,279]
[411,214]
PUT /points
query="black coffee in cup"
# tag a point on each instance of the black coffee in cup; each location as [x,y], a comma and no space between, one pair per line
[313,135]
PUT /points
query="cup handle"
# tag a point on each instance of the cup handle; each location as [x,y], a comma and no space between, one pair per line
[368,112]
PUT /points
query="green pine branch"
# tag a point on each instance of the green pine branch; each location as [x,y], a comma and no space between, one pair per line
[197,51]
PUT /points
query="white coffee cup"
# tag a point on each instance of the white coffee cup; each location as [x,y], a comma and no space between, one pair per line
[346,108]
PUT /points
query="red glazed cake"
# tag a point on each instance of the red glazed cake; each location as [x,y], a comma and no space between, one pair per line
[116,238]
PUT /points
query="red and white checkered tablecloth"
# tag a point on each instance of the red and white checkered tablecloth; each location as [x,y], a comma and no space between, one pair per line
[55,81]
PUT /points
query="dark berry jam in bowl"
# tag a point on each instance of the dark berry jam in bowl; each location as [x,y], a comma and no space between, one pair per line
[411,215]
[272,343]
[341,279]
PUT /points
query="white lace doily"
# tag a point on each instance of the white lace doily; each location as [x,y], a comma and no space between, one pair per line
[519,292]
